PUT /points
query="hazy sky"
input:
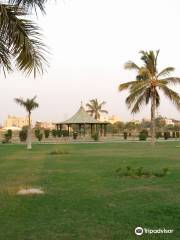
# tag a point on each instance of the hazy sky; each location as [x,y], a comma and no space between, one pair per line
[90,41]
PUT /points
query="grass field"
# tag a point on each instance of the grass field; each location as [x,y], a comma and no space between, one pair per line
[84,199]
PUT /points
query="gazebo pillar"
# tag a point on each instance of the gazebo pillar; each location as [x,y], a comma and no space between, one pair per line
[101,129]
[68,129]
[91,129]
[105,129]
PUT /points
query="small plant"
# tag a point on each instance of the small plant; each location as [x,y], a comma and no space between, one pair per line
[46,133]
[75,135]
[7,136]
[159,135]
[23,135]
[173,134]
[140,172]
[38,134]
[177,134]
[58,152]
[125,135]
[54,132]
[143,135]
[95,136]
[166,135]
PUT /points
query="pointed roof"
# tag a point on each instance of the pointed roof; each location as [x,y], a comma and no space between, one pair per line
[81,116]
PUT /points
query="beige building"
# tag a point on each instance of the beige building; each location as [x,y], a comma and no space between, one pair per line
[111,119]
[45,125]
[17,122]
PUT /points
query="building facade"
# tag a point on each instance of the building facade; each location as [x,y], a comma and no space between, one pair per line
[13,121]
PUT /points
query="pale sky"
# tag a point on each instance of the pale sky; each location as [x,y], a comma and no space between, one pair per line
[90,41]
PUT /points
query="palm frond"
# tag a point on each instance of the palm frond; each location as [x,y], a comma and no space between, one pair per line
[166,72]
[125,86]
[131,66]
[23,39]
[30,4]
[171,80]
[172,95]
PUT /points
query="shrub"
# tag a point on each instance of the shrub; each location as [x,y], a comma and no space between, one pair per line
[75,135]
[65,133]
[95,136]
[142,136]
[38,134]
[58,133]
[54,132]
[46,133]
[23,135]
[173,134]
[166,135]
[7,136]
[125,135]
[177,134]
[159,135]
[58,152]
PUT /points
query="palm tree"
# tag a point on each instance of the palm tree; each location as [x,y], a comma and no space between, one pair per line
[95,108]
[29,105]
[146,87]
[21,39]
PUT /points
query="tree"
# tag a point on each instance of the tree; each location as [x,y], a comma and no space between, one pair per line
[146,87]
[29,105]
[95,108]
[20,38]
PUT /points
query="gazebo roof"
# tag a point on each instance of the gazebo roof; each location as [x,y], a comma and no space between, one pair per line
[81,117]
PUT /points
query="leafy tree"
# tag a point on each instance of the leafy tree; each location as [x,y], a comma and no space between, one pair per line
[146,87]
[95,108]
[29,105]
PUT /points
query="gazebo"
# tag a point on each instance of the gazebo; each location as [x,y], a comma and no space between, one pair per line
[82,119]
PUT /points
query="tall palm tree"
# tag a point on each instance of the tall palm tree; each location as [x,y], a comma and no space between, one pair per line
[29,105]
[148,82]
[95,108]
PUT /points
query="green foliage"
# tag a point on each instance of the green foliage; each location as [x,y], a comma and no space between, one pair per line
[46,133]
[38,134]
[54,132]
[167,135]
[65,133]
[125,134]
[173,134]
[158,134]
[143,135]
[95,136]
[7,136]
[177,134]
[140,172]
[23,135]
[58,152]
[75,135]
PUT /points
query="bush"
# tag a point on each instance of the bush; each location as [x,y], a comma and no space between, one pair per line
[159,135]
[65,133]
[46,133]
[125,135]
[95,136]
[40,136]
[54,132]
[75,135]
[177,134]
[23,135]
[173,134]
[167,135]
[58,133]
[7,136]
[37,132]
[143,135]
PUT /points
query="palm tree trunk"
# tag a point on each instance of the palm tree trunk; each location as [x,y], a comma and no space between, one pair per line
[29,146]
[153,111]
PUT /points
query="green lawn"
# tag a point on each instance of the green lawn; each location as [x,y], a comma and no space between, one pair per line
[84,199]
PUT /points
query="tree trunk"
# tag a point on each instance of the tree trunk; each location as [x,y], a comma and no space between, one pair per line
[29,146]
[153,111]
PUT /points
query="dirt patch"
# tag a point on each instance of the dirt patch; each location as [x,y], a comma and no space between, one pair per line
[30,191]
